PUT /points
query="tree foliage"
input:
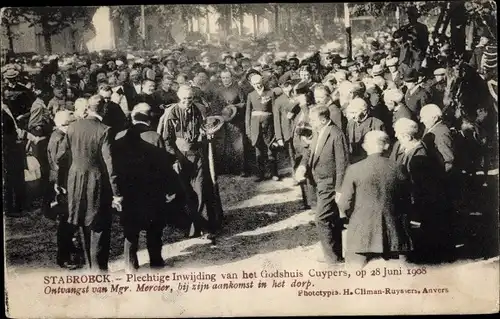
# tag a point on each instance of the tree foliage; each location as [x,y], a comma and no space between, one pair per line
[53,19]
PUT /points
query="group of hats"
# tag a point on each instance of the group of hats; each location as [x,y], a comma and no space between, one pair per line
[11,70]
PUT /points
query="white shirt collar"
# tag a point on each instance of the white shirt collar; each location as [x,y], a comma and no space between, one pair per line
[140,122]
[94,114]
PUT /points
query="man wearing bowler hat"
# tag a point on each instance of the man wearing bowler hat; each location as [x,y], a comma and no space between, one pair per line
[416,96]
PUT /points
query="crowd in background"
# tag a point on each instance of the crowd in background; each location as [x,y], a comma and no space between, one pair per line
[133,134]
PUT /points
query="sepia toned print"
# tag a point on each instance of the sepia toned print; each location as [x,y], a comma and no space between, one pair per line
[261,159]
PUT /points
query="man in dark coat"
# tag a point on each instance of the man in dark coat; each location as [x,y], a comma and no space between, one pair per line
[429,221]
[360,123]
[416,96]
[322,96]
[92,182]
[230,93]
[147,181]
[146,96]
[325,163]
[259,126]
[375,197]
[166,95]
[113,115]
[283,115]
[40,124]
[393,99]
[65,230]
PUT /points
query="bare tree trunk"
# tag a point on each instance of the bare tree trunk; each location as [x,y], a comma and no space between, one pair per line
[254,25]
[241,18]
[277,19]
[457,24]
[46,36]
[10,37]
[258,23]
[289,19]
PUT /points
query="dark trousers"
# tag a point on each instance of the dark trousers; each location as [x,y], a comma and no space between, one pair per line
[328,221]
[295,160]
[245,165]
[65,246]
[40,153]
[13,185]
[265,157]
[153,241]
[96,244]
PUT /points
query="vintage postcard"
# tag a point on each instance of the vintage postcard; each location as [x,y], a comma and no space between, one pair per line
[267,159]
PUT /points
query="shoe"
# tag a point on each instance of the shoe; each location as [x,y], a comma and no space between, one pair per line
[276,178]
[67,265]
[157,264]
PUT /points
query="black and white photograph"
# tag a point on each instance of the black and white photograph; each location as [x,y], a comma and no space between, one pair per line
[250,159]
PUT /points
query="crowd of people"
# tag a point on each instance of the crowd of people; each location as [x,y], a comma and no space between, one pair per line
[385,141]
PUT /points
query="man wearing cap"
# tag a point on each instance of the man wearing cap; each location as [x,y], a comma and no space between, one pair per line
[393,74]
[147,183]
[416,96]
[185,142]
[394,101]
[438,86]
[259,125]
[92,182]
[16,96]
[170,64]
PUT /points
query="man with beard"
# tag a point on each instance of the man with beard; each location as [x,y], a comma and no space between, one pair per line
[186,144]
[259,125]
[230,93]
[293,63]
[359,123]
[393,99]
[113,115]
[147,182]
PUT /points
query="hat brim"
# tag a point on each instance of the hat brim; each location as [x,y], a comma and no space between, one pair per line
[213,124]
[229,112]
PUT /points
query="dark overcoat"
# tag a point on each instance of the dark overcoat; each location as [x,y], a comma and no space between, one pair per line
[375,197]
[146,176]
[92,180]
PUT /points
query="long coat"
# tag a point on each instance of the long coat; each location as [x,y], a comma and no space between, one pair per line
[92,180]
[146,176]
[283,125]
[328,157]
[375,197]
[257,126]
